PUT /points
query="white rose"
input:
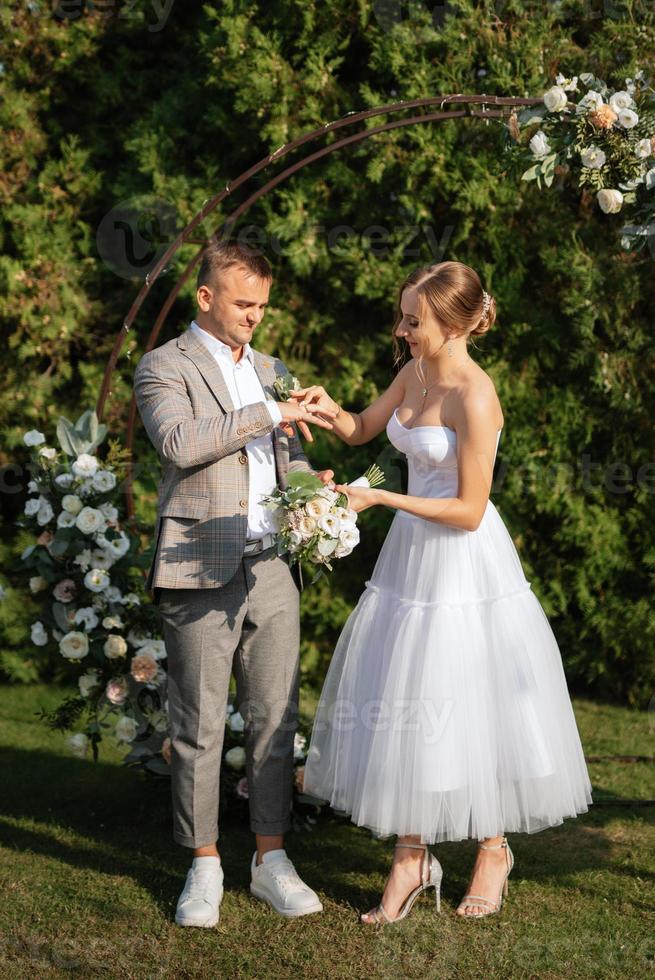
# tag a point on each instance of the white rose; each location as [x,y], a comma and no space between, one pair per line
[643,149]
[85,488]
[153,648]
[330,495]
[610,201]
[115,646]
[101,559]
[592,100]
[138,639]
[649,179]
[317,507]
[38,584]
[621,100]
[33,438]
[85,465]
[39,635]
[74,645]
[593,157]
[88,681]
[295,540]
[78,744]
[104,481]
[555,99]
[307,527]
[115,547]
[97,580]
[330,525]
[47,452]
[64,480]
[539,144]
[236,722]
[32,486]
[628,118]
[65,519]
[45,513]
[90,521]
[32,506]
[126,729]
[568,84]
[130,599]
[109,511]
[83,559]
[72,503]
[86,617]
[112,623]
[236,757]
[299,745]
[113,594]
[347,541]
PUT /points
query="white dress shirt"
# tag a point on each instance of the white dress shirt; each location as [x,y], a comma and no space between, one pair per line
[245,389]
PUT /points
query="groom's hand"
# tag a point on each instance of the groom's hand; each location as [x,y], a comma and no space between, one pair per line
[327,476]
[303,415]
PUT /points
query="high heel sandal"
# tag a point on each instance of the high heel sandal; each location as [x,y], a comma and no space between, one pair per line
[431,875]
[477,899]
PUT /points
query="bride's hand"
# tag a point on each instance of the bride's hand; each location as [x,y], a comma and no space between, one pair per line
[359,498]
[317,397]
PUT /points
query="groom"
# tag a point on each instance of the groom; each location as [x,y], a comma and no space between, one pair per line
[227,600]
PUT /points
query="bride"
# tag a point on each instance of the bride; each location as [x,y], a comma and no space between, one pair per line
[445,712]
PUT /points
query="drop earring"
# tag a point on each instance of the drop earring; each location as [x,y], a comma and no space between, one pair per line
[449,348]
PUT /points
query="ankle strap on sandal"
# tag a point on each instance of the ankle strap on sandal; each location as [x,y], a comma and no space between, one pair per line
[418,847]
[493,847]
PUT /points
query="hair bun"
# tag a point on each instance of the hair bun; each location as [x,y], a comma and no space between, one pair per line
[487,319]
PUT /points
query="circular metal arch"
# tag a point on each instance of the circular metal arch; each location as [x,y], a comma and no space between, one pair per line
[350,119]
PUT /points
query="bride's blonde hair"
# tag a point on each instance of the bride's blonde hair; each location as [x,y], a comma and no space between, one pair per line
[451,293]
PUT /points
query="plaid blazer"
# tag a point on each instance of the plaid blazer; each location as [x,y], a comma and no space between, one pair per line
[202,507]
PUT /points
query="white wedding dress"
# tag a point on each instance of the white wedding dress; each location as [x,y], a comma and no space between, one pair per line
[445,711]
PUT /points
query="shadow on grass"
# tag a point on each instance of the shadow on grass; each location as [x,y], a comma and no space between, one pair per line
[126,829]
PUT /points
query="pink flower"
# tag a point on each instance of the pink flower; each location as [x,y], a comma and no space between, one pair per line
[143,668]
[45,538]
[65,590]
[166,750]
[242,788]
[116,690]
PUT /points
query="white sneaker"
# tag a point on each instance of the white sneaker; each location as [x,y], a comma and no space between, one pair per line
[276,881]
[202,894]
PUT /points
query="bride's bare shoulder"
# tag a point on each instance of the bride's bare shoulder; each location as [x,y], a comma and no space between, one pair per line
[478,392]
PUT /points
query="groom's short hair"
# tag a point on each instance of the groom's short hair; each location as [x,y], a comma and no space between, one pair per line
[219,256]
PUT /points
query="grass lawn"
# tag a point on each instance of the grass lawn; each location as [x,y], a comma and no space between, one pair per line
[90,877]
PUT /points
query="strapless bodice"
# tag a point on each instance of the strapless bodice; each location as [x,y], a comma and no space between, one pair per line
[431,452]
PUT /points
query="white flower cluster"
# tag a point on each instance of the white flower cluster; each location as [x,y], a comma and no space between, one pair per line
[602,111]
[319,529]
[84,611]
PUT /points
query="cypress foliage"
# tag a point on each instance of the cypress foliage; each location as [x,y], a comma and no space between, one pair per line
[107,106]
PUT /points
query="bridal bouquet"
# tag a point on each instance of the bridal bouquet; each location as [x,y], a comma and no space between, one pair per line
[605,137]
[314,522]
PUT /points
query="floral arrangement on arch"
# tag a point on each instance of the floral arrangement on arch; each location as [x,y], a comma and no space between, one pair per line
[605,137]
[86,571]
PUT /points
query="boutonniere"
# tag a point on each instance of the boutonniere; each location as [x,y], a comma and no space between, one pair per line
[284,384]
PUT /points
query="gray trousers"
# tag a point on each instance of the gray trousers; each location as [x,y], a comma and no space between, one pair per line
[249,626]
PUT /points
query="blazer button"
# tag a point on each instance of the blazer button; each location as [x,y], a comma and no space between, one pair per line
[243,459]
[243,503]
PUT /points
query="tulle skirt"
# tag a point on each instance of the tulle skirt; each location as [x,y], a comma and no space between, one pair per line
[445,711]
